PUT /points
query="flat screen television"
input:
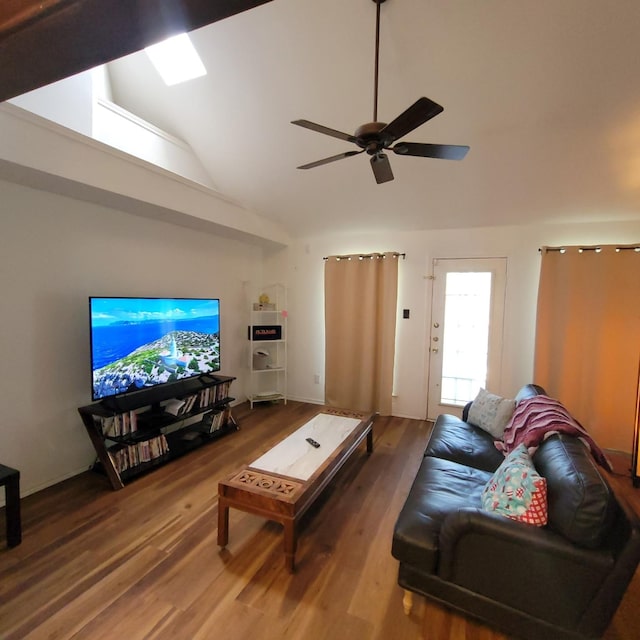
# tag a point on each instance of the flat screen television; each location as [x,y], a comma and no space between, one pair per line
[138,343]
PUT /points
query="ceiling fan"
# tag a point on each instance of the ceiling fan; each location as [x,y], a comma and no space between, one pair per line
[377,137]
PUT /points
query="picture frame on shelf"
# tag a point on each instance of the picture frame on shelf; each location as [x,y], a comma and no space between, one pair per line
[265,332]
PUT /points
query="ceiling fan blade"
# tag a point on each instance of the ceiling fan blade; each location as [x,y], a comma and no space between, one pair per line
[440,151]
[318,163]
[381,168]
[418,113]
[326,130]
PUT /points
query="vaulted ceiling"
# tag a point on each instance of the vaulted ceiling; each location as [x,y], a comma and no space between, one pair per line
[546,94]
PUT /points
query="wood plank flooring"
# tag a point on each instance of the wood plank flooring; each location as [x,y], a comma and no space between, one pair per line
[143,563]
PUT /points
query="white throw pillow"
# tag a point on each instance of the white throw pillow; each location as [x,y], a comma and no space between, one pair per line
[491,413]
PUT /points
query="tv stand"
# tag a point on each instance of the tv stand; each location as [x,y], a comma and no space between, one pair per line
[138,432]
[209,377]
[155,410]
[111,404]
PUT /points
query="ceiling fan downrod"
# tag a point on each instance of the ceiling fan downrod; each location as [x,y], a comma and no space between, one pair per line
[376,64]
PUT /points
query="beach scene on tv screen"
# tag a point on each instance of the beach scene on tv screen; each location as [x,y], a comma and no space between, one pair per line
[142,342]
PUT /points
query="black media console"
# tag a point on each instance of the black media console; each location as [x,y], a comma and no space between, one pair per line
[137,432]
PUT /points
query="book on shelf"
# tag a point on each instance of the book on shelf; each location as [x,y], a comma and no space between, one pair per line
[131,455]
[206,397]
[106,425]
[119,424]
[215,420]
[222,391]
[203,398]
[189,402]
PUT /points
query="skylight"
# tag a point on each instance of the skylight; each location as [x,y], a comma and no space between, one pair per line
[176,60]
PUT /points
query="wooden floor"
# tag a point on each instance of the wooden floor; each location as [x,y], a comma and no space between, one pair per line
[142,563]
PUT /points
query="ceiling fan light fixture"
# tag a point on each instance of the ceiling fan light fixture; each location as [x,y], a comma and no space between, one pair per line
[381,168]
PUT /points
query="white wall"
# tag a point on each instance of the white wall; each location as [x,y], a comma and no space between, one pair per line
[304,275]
[55,252]
[68,102]
[83,104]
[123,130]
[39,153]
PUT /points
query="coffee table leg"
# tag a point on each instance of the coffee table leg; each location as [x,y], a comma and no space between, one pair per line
[370,440]
[223,523]
[290,543]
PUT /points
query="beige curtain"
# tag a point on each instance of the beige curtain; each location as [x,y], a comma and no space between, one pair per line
[588,337]
[360,326]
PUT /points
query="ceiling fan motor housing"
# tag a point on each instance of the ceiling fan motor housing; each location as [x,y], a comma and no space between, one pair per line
[368,136]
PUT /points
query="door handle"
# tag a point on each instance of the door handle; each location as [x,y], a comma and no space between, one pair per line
[434,350]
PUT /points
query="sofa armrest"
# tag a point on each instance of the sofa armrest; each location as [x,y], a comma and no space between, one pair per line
[529,568]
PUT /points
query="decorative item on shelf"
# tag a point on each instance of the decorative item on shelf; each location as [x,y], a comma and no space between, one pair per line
[175,406]
[264,303]
[265,332]
[261,359]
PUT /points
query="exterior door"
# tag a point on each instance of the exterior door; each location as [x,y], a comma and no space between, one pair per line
[465,337]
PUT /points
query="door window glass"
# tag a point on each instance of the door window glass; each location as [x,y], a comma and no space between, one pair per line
[465,338]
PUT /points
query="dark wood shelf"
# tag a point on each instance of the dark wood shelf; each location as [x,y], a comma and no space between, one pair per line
[194,436]
[125,456]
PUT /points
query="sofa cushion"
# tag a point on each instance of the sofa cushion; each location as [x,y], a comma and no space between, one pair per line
[453,439]
[581,503]
[516,490]
[491,412]
[440,487]
[528,391]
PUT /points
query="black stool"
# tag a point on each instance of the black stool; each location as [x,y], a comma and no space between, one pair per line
[10,478]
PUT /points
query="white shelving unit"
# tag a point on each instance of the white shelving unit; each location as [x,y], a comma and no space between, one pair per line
[267,353]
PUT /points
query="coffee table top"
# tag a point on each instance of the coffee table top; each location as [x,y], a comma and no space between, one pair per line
[294,457]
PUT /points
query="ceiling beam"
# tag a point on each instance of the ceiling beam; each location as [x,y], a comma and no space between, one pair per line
[42,41]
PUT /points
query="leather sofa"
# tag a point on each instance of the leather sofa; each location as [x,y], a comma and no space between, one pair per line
[561,581]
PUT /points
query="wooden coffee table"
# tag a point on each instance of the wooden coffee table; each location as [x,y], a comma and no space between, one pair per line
[284,482]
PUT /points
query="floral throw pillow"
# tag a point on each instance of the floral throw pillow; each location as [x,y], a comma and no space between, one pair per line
[516,490]
[491,413]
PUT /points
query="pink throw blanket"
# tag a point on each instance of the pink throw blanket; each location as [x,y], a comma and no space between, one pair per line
[537,418]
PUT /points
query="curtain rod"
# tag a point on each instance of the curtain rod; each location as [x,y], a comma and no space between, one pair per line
[362,256]
[596,249]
